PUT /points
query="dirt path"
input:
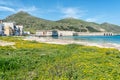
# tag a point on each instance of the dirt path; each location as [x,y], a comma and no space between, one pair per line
[5,43]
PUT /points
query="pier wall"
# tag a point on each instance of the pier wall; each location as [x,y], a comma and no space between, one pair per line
[96,34]
[71,33]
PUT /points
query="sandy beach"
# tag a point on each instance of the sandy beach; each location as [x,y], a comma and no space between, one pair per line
[65,42]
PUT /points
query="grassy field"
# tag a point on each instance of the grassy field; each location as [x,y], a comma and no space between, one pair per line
[30,60]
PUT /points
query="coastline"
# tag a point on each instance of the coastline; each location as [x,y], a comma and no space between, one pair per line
[67,41]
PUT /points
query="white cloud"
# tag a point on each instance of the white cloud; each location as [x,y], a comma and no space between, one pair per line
[95,19]
[4,8]
[28,9]
[72,12]
[91,19]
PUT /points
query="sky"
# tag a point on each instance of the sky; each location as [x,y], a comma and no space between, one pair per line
[89,10]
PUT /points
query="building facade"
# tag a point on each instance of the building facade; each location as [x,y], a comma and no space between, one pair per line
[1,29]
[70,33]
[19,30]
[54,33]
[10,29]
[44,33]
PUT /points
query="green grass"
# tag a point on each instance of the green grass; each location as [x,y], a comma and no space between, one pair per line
[30,60]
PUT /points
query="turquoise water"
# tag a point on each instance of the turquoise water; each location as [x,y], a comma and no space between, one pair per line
[96,39]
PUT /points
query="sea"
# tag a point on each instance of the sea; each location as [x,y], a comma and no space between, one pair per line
[115,39]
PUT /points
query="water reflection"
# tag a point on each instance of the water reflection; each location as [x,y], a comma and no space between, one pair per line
[96,39]
[55,37]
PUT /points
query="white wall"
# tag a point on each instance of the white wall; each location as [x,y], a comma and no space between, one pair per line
[10,24]
[66,33]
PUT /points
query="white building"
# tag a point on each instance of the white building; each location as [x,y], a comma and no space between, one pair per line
[44,33]
[54,33]
[1,29]
[26,33]
[10,28]
[66,33]
[20,27]
[10,24]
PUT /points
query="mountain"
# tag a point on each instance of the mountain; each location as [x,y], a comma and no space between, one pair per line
[32,24]
[89,26]
[92,26]
[111,27]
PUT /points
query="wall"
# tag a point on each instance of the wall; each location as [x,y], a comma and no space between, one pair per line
[19,29]
[44,33]
[1,29]
[10,28]
[10,24]
[95,34]
[66,33]
[7,30]
[72,33]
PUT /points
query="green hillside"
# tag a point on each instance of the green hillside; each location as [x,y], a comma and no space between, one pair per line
[89,26]
[32,24]
[111,27]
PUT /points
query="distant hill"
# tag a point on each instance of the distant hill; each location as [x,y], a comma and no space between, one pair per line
[32,24]
[92,26]
[111,27]
[82,25]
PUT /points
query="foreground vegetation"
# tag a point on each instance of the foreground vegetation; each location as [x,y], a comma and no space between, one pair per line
[30,60]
